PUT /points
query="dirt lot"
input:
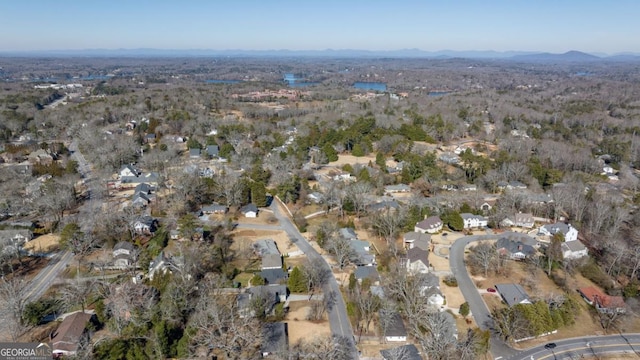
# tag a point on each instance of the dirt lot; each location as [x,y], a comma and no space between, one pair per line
[300,328]
[43,244]
[350,159]
[244,238]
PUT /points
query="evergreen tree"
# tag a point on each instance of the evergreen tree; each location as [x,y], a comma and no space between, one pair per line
[258,194]
[330,152]
[297,282]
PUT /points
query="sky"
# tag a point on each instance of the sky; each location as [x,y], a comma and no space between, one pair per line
[557,26]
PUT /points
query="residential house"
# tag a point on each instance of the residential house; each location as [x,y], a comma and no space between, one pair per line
[361,255]
[275,339]
[266,246]
[399,188]
[404,352]
[143,188]
[194,153]
[128,170]
[574,250]
[123,254]
[161,264]
[348,233]
[249,211]
[417,239]
[383,205]
[472,221]
[274,294]
[513,294]
[214,209]
[602,302]
[40,156]
[570,233]
[316,197]
[395,330]
[213,151]
[206,172]
[519,220]
[150,138]
[271,261]
[417,261]
[469,187]
[145,225]
[12,241]
[487,205]
[430,225]
[273,276]
[343,176]
[70,333]
[449,158]
[140,200]
[367,272]
[514,249]
[516,185]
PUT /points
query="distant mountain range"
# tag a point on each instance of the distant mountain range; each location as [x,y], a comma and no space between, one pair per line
[522,56]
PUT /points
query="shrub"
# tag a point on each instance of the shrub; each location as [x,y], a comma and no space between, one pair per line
[451,280]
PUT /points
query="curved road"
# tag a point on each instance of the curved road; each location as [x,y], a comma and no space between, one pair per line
[565,349]
[477,306]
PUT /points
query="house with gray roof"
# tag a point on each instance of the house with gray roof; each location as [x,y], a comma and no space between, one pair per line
[417,239]
[399,188]
[274,276]
[383,205]
[396,331]
[404,352]
[367,272]
[417,260]
[519,220]
[514,249]
[194,153]
[348,233]
[271,261]
[513,294]
[266,246]
[213,151]
[570,233]
[275,339]
[574,250]
[214,209]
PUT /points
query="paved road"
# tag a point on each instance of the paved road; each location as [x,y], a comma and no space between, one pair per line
[591,346]
[45,278]
[338,318]
[477,306]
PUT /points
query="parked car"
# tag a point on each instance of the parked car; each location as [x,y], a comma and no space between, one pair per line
[491,290]
[550,346]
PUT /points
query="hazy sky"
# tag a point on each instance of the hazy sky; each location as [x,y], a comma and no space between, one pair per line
[528,25]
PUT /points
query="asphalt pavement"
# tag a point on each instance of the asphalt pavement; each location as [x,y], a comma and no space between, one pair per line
[45,278]
[338,319]
[477,306]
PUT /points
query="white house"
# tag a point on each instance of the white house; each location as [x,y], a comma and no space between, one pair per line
[570,233]
[473,221]
[574,250]
[249,210]
[128,170]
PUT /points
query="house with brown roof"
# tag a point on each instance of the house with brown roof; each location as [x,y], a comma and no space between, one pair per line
[71,332]
[602,302]
[430,225]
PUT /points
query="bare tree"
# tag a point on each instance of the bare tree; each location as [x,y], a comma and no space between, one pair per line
[387,223]
[356,193]
[341,249]
[483,256]
[13,299]
[437,337]
[316,273]
[130,303]
[220,326]
[77,292]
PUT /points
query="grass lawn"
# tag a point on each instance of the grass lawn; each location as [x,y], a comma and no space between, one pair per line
[243,278]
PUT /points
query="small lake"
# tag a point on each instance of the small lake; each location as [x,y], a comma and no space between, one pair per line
[296,81]
[438,93]
[376,86]
[215,81]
